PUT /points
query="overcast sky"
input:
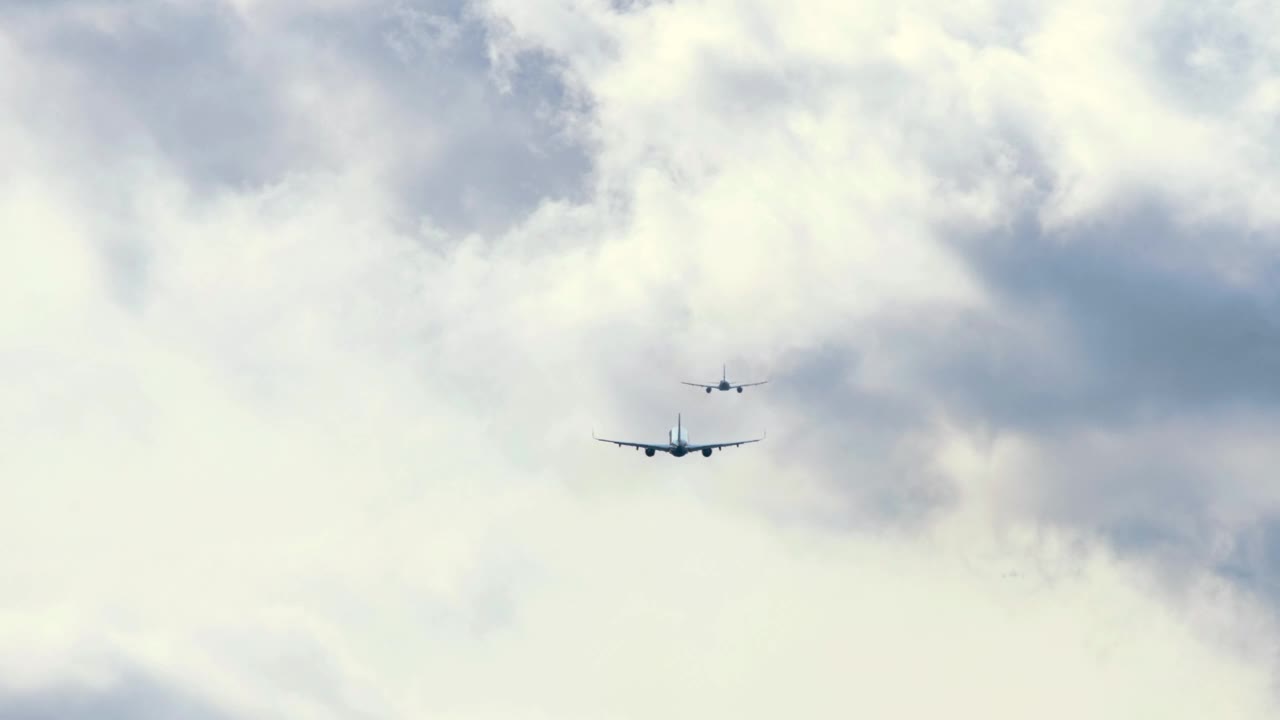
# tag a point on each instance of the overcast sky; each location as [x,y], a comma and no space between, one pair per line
[308,311]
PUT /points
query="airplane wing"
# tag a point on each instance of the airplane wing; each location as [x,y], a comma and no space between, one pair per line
[762,382]
[646,446]
[717,446]
[699,385]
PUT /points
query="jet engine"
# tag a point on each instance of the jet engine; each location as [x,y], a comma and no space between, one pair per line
[708,391]
[739,389]
[706,452]
[649,451]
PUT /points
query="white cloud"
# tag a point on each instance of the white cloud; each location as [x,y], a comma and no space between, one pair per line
[286,454]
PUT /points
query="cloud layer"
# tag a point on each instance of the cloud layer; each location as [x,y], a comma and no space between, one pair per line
[309,310]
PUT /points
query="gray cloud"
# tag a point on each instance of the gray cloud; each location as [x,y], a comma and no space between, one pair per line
[1101,335]
[179,77]
[130,696]
[1143,324]
[872,443]
[1108,330]
[202,86]
[505,148]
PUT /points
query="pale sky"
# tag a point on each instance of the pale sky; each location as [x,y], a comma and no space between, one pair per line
[308,311]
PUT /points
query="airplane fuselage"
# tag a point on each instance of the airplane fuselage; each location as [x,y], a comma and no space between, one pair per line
[678,436]
[678,441]
[724,385]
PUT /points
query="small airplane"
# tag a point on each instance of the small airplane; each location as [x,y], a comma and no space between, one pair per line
[677,443]
[724,383]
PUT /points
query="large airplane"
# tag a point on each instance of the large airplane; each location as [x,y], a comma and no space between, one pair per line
[677,443]
[724,383]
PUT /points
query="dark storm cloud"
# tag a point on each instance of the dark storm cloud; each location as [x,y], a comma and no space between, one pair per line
[134,696]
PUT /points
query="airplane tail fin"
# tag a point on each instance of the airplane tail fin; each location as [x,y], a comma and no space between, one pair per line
[724,372]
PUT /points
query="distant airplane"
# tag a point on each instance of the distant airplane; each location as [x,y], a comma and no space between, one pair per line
[677,443]
[724,383]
